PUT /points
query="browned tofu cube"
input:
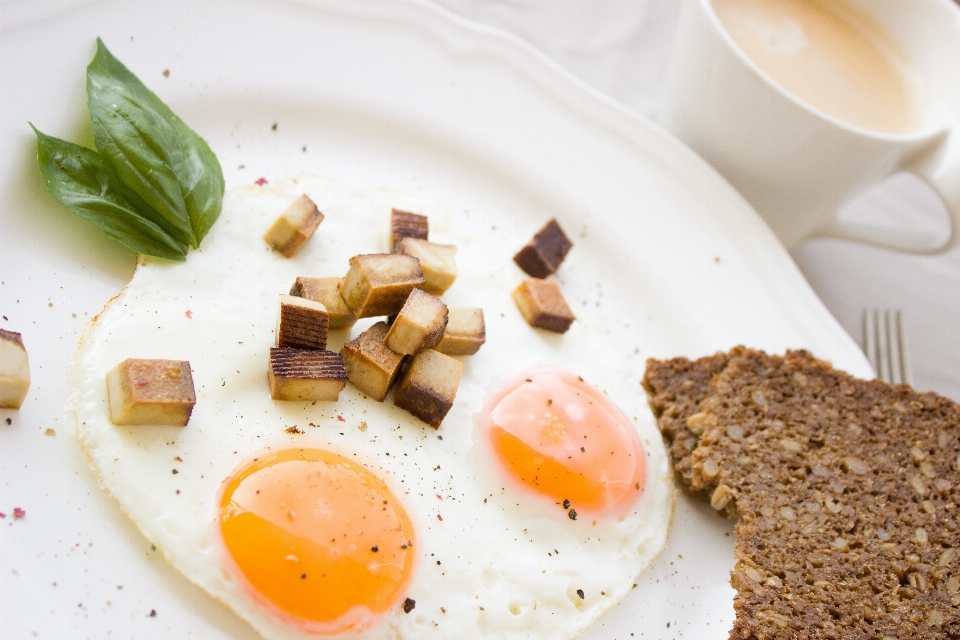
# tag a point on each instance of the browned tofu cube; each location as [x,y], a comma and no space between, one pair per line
[541,303]
[419,324]
[378,284]
[545,251]
[294,226]
[326,291]
[302,323]
[465,332]
[438,262]
[311,376]
[429,385]
[370,365]
[404,224]
[14,370]
[151,392]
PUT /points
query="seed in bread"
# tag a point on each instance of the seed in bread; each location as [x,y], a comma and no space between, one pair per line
[141,391]
[404,224]
[419,324]
[438,261]
[14,370]
[545,251]
[371,367]
[429,386]
[465,332]
[846,492]
[326,291]
[302,323]
[305,375]
[541,303]
[378,284]
[294,227]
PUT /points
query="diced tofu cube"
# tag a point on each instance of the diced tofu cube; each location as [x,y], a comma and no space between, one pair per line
[429,385]
[301,323]
[151,392]
[14,370]
[438,262]
[370,365]
[545,251]
[404,224]
[378,284]
[465,332]
[294,226]
[541,303]
[326,291]
[311,376]
[419,324]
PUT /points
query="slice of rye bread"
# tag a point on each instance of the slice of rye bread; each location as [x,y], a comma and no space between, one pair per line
[676,388]
[846,492]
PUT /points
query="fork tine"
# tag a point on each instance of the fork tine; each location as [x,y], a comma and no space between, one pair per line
[903,354]
[883,346]
[893,346]
[870,340]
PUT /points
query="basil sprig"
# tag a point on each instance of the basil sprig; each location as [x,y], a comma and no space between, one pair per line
[153,184]
[76,178]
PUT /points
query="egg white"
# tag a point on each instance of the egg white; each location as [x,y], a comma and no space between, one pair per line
[493,563]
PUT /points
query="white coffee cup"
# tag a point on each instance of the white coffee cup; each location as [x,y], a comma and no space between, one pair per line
[797,165]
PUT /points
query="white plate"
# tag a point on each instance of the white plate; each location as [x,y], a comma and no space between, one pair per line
[399,94]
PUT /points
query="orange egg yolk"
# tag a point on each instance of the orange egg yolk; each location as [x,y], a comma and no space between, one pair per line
[565,440]
[317,538]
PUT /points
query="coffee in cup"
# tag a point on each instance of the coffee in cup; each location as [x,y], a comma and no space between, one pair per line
[832,56]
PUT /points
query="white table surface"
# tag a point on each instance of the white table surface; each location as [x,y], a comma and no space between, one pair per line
[623,47]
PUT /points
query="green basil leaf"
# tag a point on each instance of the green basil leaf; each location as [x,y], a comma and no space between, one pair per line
[201,180]
[149,154]
[75,177]
[136,144]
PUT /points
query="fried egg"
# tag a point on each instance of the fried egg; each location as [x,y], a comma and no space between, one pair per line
[527,514]
[560,437]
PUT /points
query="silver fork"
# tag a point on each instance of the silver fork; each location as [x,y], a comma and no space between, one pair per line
[885,344]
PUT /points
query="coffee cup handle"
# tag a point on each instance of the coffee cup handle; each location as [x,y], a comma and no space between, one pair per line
[941,170]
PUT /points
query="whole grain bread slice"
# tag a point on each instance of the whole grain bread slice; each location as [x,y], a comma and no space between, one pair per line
[846,492]
[675,389]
